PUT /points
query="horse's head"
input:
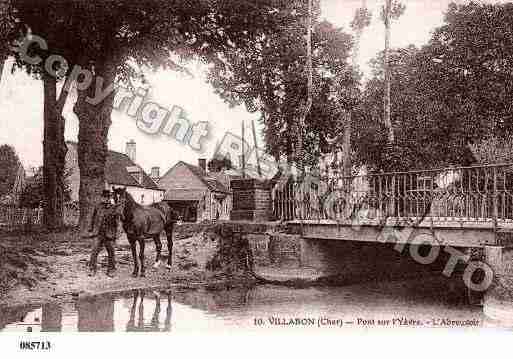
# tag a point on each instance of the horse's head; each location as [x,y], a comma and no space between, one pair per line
[121,199]
[117,193]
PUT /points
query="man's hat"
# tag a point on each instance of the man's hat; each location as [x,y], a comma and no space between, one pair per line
[106,193]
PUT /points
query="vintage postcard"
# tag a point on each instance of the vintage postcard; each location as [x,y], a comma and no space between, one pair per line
[255,166]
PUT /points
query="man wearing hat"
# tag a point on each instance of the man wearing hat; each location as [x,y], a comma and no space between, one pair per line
[104,228]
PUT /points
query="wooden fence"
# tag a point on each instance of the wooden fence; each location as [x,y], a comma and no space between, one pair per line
[15,218]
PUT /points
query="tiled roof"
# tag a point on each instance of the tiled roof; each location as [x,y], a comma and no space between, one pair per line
[116,171]
[184,195]
[212,183]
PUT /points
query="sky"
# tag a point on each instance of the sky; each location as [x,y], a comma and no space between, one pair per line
[21,97]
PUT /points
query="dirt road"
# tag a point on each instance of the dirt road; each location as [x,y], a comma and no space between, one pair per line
[39,268]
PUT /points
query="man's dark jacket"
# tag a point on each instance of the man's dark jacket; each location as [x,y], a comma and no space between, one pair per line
[104,221]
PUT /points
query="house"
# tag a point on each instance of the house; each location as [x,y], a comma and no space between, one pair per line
[121,170]
[197,194]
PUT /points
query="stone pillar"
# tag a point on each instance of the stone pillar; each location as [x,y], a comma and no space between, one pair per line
[251,200]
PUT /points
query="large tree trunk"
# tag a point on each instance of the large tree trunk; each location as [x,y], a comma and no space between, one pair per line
[49,143]
[54,154]
[346,146]
[386,102]
[60,162]
[2,63]
[94,124]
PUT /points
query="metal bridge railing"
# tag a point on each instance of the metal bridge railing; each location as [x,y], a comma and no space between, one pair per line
[474,194]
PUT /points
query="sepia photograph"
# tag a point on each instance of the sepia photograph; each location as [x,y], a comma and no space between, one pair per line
[259,167]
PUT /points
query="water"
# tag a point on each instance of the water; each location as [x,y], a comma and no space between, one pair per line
[422,303]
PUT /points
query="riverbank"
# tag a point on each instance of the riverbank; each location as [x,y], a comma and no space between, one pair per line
[39,267]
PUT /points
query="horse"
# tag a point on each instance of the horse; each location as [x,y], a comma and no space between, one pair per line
[141,222]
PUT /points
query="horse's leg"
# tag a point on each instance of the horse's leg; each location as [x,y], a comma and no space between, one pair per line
[140,323]
[156,313]
[158,247]
[141,256]
[169,311]
[131,321]
[133,248]
[169,237]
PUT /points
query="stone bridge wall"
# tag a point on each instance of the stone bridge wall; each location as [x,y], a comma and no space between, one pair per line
[345,262]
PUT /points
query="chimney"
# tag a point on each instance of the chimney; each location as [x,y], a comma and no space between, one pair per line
[131,150]
[155,173]
[135,172]
[202,163]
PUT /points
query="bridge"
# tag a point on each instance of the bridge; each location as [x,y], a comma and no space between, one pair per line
[348,224]
[470,206]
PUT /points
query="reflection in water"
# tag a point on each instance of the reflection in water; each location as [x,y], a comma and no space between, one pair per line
[96,314]
[222,310]
[47,318]
[26,319]
[52,318]
[425,301]
[101,313]
[154,325]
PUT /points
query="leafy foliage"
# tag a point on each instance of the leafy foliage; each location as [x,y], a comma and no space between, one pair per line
[362,19]
[9,166]
[218,164]
[271,77]
[397,9]
[493,150]
[145,33]
[454,92]
[33,194]
[7,25]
